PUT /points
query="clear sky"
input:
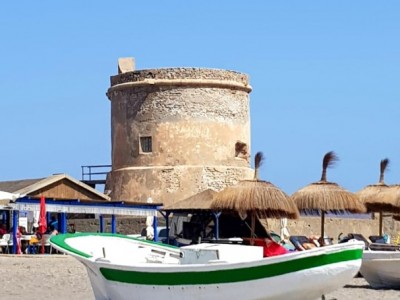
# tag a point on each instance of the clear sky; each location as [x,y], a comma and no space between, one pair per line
[325,76]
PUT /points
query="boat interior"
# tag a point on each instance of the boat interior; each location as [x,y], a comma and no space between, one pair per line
[131,251]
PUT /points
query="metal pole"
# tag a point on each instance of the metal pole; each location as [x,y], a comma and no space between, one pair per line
[323,227]
[101,221]
[167,225]
[113,224]
[216,227]
[63,222]
[48,218]
[155,228]
[15,230]
[4,217]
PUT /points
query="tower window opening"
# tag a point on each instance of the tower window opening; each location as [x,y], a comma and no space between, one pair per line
[241,150]
[146,145]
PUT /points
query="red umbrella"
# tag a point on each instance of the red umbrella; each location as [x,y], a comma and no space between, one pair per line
[42,220]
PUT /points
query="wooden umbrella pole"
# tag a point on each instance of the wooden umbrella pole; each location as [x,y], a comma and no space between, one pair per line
[322,226]
[253,226]
[380,224]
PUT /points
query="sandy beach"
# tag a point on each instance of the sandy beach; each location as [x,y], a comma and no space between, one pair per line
[62,277]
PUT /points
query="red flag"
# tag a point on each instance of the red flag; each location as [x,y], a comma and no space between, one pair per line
[42,220]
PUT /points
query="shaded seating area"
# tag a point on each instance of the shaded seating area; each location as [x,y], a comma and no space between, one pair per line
[192,220]
[65,206]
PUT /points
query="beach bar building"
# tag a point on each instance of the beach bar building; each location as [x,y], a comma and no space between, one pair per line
[66,195]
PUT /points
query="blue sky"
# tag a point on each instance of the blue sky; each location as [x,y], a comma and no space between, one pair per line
[325,76]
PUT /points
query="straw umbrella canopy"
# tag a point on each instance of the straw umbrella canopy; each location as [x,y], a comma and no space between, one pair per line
[323,196]
[391,199]
[375,198]
[200,201]
[256,198]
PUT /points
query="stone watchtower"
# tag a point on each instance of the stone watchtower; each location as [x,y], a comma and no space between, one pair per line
[177,131]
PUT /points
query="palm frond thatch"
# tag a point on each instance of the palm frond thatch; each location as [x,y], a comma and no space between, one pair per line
[384,165]
[329,160]
[260,196]
[389,200]
[200,201]
[376,199]
[258,160]
[323,196]
[374,196]
[328,197]
[257,196]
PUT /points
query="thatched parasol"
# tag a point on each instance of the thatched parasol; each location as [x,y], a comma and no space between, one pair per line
[375,199]
[324,196]
[256,198]
[391,198]
[200,201]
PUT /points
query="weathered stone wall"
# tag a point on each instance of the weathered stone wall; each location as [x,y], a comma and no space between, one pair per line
[168,184]
[195,118]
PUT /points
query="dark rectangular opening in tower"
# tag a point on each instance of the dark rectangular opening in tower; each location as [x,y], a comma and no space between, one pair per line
[146,145]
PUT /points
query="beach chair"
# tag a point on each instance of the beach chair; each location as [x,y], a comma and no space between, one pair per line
[301,242]
[377,239]
[5,243]
[355,236]
[9,240]
[277,238]
[48,247]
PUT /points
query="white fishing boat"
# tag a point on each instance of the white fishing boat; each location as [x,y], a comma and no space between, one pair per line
[381,269]
[121,267]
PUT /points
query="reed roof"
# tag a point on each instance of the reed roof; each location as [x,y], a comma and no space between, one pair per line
[200,201]
[374,196]
[258,196]
[327,196]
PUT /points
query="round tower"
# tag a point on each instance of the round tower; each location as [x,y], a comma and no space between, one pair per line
[177,131]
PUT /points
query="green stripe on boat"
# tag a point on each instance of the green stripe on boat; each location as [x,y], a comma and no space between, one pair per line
[229,275]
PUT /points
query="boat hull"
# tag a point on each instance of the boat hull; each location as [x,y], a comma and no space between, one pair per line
[298,275]
[319,281]
[381,269]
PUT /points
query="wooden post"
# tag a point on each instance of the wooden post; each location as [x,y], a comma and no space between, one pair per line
[323,226]
[253,226]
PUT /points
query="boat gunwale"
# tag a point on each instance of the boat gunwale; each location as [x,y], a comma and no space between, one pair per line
[59,242]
